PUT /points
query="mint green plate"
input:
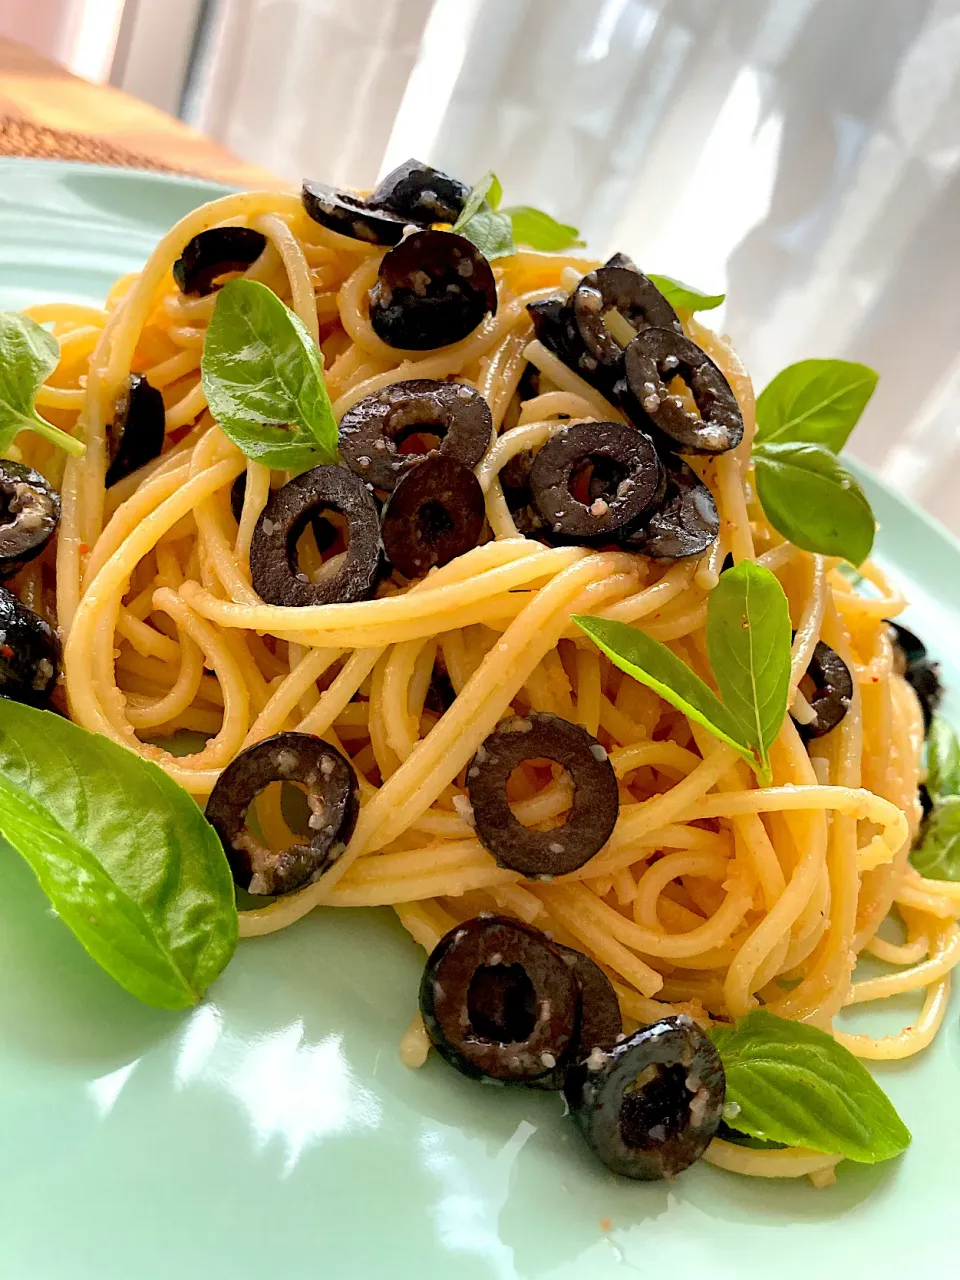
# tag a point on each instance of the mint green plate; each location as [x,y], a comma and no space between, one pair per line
[273,1132]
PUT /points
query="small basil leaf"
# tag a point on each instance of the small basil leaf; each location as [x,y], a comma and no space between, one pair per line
[937,856]
[679,294]
[748,643]
[814,402]
[538,230]
[812,499]
[28,355]
[480,223]
[262,376]
[124,855]
[485,192]
[794,1084]
[943,760]
[656,666]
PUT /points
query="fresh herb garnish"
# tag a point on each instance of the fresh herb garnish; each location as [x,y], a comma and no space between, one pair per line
[679,294]
[28,355]
[748,638]
[263,379]
[937,856]
[539,230]
[125,856]
[943,760]
[496,231]
[814,402]
[795,1084]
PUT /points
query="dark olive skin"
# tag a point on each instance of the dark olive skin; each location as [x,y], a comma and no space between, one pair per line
[650,1106]
[650,362]
[596,802]
[624,289]
[499,1000]
[601,1023]
[435,514]
[833,691]
[350,215]
[212,254]
[273,570]
[417,193]
[29,515]
[433,289]
[29,653]
[332,795]
[373,430]
[685,524]
[923,675]
[324,532]
[137,432]
[634,482]
[555,326]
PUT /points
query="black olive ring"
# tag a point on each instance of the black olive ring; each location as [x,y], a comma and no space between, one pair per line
[350,215]
[833,691]
[29,652]
[601,1022]
[685,524]
[434,514]
[137,432]
[213,253]
[623,289]
[29,515]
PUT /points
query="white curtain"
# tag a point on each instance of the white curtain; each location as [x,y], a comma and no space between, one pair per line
[803,155]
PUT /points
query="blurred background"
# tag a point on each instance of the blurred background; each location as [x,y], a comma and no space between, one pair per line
[801,155]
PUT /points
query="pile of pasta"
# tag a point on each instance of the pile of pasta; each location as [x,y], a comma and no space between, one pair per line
[713,893]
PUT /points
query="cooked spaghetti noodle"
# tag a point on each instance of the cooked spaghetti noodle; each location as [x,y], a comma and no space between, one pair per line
[713,891]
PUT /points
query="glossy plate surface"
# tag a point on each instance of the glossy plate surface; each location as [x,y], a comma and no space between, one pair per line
[273,1132]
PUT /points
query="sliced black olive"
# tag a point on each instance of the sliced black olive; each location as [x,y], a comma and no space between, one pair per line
[333,798]
[685,524]
[434,514]
[623,289]
[908,648]
[652,359]
[372,432]
[498,999]
[441,694]
[833,691]
[433,289]
[273,547]
[621,260]
[592,816]
[324,531]
[630,471]
[555,326]
[924,678]
[601,1023]
[650,1106]
[136,434]
[29,652]
[350,215]
[213,253]
[417,193]
[29,515]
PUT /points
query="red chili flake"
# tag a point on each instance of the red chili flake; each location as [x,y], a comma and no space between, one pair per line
[84,548]
[6,651]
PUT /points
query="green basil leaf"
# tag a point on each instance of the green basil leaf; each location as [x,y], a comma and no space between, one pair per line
[748,643]
[679,294]
[812,499]
[485,192]
[937,856]
[659,668]
[28,355]
[814,402]
[125,856]
[794,1084]
[481,224]
[943,760]
[538,230]
[262,376]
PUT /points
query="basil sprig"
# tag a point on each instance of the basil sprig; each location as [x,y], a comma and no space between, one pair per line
[28,355]
[937,853]
[125,856]
[803,419]
[685,295]
[794,1084]
[496,231]
[748,642]
[262,375]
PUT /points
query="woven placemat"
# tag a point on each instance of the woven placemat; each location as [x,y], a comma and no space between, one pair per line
[19,137]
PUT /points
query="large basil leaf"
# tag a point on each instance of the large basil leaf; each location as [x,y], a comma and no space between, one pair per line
[937,856]
[28,355]
[263,379]
[537,229]
[125,856]
[814,402]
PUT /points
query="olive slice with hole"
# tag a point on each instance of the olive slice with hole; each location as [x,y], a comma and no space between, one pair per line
[650,1106]
[685,524]
[433,289]
[651,361]
[350,215]
[555,326]
[418,193]
[601,1023]
[213,253]
[273,547]
[910,661]
[632,477]
[593,813]
[832,691]
[435,514]
[137,432]
[29,652]
[373,431]
[324,531]
[333,799]
[499,1000]
[627,291]
[29,515]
